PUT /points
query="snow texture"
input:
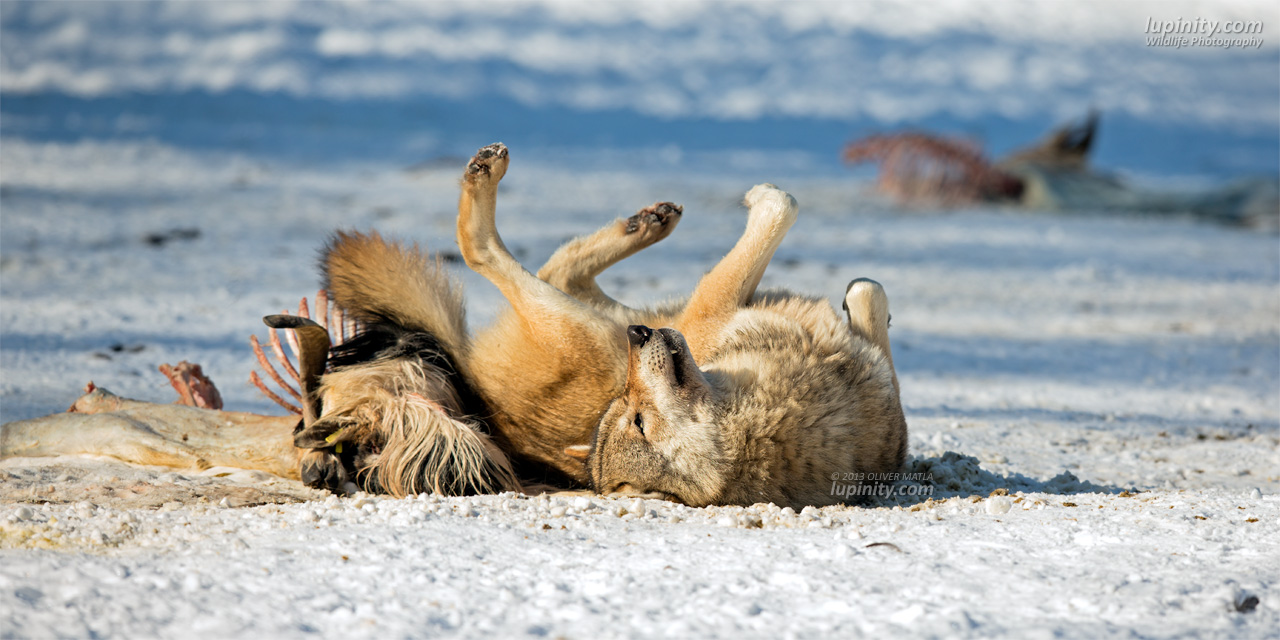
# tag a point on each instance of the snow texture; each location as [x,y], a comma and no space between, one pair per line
[1094,401]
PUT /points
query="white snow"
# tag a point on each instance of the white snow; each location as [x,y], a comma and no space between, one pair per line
[510,566]
[1063,360]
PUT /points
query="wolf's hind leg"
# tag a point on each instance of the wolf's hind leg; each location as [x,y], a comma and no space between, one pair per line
[553,360]
[548,313]
[574,266]
[733,281]
[868,309]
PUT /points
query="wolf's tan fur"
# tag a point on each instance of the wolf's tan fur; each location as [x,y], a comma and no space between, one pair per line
[776,393]
[365,272]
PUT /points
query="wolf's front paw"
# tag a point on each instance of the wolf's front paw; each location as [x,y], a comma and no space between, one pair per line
[488,165]
[770,205]
[653,223]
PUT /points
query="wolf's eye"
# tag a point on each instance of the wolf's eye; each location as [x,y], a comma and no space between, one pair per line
[639,422]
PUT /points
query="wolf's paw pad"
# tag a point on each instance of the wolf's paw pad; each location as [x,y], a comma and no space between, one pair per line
[488,161]
[659,218]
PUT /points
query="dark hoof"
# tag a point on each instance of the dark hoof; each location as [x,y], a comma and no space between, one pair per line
[322,470]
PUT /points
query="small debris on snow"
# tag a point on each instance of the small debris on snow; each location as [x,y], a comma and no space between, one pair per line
[999,505]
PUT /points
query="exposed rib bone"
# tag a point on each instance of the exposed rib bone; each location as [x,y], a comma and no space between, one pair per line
[279,351]
[918,167]
[323,317]
[328,316]
[271,370]
[293,340]
[338,326]
[257,382]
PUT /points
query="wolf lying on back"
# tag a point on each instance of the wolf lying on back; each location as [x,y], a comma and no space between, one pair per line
[741,397]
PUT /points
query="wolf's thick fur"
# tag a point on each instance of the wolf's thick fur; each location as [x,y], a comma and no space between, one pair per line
[744,397]
[737,397]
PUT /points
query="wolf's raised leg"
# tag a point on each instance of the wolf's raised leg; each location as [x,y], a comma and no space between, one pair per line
[868,309]
[547,367]
[574,266]
[548,311]
[733,281]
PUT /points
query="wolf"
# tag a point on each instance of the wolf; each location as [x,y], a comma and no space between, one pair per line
[733,396]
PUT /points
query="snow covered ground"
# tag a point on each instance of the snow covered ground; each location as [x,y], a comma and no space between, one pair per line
[1094,401]
[1064,359]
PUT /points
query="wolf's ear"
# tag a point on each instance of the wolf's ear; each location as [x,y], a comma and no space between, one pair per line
[579,451]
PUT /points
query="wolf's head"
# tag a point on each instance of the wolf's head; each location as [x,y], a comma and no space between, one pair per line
[661,436]
[788,397]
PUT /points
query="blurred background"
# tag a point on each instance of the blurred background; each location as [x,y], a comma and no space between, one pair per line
[676,84]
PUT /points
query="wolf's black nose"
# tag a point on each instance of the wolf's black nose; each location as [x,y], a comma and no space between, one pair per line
[638,334]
